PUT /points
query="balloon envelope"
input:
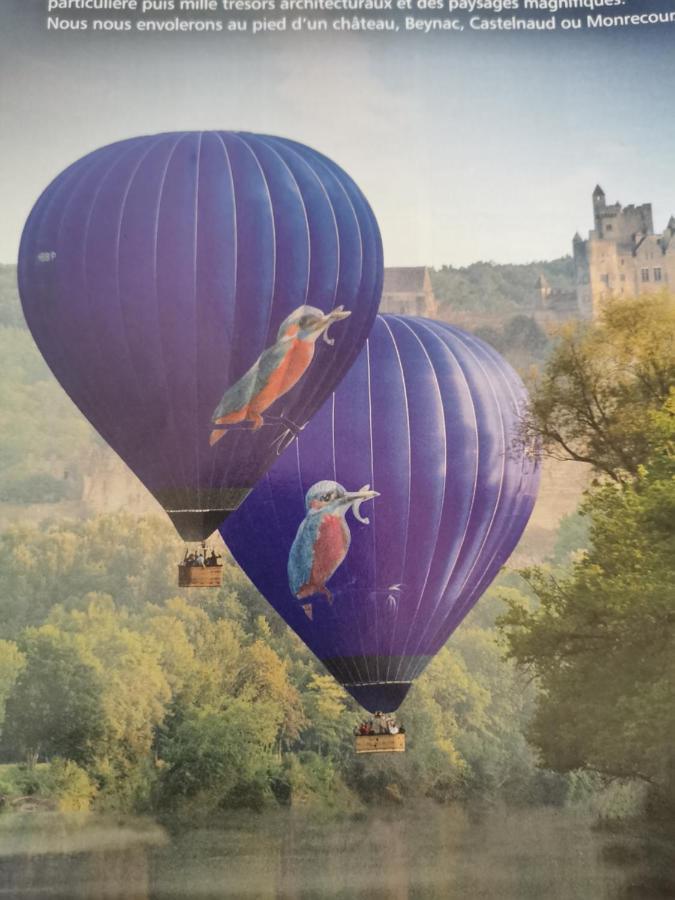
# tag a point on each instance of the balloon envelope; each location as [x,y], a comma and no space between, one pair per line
[155,275]
[428,417]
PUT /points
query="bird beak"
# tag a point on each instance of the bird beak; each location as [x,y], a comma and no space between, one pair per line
[334,316]
[360,496]
[356,498]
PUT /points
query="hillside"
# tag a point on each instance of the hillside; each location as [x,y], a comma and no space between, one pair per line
[487,287]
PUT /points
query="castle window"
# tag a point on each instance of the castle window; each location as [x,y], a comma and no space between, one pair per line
[608,227]
[644,274]
[605,279]
[657,273]
[622,277]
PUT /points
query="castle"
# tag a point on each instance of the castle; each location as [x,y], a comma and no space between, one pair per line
[622,254]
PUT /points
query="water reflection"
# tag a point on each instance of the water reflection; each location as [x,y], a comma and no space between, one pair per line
[430,853]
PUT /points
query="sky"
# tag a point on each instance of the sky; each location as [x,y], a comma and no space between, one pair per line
[469,147]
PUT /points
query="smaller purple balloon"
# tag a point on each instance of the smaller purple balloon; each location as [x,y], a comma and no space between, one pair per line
[401,501]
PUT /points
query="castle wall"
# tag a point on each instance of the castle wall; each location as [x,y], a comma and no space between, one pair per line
[615,223]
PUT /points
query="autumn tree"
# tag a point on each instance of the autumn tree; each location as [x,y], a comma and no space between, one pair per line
[593,401]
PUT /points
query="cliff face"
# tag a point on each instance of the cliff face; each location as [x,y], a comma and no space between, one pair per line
[109,485]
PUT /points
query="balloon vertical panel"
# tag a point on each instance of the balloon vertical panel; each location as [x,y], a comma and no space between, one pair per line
[156,274]
[422,438]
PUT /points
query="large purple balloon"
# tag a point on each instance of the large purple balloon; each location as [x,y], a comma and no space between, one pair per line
[428,417]
[154,274]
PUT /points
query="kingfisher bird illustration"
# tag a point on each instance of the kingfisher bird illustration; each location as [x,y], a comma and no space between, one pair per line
[276,370]
[323,538]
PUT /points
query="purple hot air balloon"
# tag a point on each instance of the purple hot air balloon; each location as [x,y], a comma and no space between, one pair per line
[376,534]
[199,295]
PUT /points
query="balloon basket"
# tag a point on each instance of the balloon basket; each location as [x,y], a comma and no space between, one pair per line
[379,743]
[200,576]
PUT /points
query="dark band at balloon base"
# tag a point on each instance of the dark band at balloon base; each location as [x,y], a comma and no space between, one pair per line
[359,676]
[191,521]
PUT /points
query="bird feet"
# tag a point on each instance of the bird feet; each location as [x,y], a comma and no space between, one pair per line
[287,436]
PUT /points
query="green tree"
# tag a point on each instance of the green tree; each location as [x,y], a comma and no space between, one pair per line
[135,690]
[220,755]
[602,639]
[329,718]
[56,705]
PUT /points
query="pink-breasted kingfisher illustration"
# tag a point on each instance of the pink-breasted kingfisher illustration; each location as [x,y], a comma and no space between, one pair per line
[323,538]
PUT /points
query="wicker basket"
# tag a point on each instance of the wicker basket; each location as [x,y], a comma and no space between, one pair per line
[379,743]
[200,576]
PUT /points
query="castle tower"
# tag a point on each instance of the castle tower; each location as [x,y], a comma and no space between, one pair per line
[622,256]
[599,205]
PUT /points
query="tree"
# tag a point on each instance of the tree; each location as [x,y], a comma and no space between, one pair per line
[594,399]
[520,339]
[329,721]
[135,691]
[56,705]
[215,754]
[263,678]
[12,663]
[602,639]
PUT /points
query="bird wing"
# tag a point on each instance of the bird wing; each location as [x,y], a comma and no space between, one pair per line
[301,557]
[239,395]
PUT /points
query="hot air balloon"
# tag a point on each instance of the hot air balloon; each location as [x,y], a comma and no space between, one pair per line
[378,532]
[199,295]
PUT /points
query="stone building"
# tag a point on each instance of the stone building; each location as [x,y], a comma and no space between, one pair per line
[407,291]
[622,255]
[553,304]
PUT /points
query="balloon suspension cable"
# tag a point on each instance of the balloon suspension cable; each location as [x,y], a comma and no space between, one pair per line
[284,440]
[287,436]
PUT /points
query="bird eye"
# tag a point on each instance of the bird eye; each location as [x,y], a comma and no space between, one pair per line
[327,497]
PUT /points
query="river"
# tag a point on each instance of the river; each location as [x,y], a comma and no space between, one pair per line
[429,853]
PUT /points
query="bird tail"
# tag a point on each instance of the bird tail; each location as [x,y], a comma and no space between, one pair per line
[216,435]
